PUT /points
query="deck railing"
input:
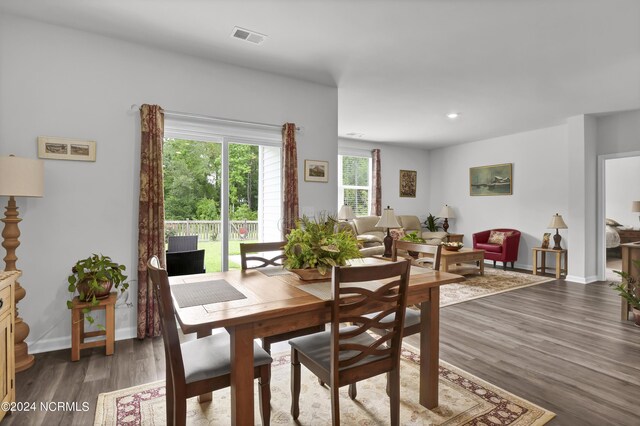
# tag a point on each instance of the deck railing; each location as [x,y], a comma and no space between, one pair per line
[211,230]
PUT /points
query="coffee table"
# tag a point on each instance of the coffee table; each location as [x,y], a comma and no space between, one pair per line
[464,255]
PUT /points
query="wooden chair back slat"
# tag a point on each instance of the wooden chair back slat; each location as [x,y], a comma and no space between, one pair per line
[246,248]
[351,303]
[433,252]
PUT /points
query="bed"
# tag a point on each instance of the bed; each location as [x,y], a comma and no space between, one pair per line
[612,236]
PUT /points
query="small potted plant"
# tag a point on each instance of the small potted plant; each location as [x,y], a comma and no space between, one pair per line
[413,237]
[316,245]
[629,290]
[432,223]
[92,278]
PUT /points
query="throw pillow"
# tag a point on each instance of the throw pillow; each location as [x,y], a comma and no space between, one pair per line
[497,237]
[611,222]
[396,234]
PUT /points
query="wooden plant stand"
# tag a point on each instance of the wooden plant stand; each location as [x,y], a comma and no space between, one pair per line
[77,326]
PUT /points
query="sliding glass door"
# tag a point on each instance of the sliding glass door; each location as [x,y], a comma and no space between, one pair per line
[226,190]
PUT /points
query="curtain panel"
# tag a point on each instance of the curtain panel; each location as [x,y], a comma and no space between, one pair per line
[150,215]
[376,196]
[289,178]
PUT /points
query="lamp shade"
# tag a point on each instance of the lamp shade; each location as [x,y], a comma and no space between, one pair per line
[388,219]
[446,212]
[346,213]
[21,177]
[557,222]
[635,207]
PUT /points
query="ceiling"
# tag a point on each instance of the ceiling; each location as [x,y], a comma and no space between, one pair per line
[400,66]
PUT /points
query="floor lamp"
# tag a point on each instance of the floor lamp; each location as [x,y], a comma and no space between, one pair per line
[19,177]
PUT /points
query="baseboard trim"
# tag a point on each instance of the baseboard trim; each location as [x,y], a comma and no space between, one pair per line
[58,343]
[582,280]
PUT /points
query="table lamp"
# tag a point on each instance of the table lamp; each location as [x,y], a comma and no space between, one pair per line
[446,213]
[557,223]
[19,177]
[635,207]
[346,213]
[388,220]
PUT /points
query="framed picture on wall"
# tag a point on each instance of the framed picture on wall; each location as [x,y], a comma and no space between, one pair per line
[491,180]
[408,180]
[316,171]
[66,149]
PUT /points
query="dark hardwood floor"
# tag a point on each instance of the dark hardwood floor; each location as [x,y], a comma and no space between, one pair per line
[560,345]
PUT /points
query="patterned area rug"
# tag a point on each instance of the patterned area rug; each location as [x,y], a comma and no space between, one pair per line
[493,281]
[464,400]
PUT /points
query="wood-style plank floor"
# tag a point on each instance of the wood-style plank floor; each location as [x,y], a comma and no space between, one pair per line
[560,345]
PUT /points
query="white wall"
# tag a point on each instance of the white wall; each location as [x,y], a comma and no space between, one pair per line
[622,187]
[392,160]
[540,187]
[618,132]
[60,82]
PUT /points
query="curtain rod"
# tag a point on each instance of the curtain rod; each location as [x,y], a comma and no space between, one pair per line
[218,119]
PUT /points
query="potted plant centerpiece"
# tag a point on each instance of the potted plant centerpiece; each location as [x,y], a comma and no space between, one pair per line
[316,245]
[629,290]
[93,278]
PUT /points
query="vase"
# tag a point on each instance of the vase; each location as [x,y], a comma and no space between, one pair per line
[309,274]
[103,293]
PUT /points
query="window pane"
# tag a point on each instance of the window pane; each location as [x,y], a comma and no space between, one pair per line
[358,199]
[355,171]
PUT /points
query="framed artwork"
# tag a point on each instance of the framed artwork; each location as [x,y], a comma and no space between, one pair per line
[491,180]
[408,180]
[545,240]
[316,171]
[66,149]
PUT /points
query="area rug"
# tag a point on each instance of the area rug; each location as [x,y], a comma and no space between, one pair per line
[464,400]
[494,281]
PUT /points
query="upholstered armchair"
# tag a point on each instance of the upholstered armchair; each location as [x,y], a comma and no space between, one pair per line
[502,246]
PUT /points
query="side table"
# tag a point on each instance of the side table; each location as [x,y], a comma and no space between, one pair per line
[560,255]
[77,326]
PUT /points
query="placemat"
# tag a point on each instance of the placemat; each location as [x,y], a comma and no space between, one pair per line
[204,293]
[274,271]
[322,289]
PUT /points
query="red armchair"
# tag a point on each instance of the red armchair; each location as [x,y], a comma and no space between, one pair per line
[507,252]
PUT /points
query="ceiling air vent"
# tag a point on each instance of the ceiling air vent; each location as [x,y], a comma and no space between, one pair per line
[248,35]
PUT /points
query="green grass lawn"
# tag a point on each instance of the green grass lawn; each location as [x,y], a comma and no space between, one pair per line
[213,254]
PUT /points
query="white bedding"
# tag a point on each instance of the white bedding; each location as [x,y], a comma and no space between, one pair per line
[613,238]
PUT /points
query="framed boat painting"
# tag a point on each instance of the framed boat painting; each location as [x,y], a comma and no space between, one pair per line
[491,180]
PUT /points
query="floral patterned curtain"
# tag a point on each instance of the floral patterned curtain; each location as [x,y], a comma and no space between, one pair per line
[376,196]
[289,178]
[150,216]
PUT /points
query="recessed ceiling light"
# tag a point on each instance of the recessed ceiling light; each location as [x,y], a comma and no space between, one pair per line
[355,135]
[248,35]
[453,115]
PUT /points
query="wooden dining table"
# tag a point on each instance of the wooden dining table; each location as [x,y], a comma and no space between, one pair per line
[275,304]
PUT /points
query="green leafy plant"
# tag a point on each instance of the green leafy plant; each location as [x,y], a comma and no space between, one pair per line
[92,278]
[629,288]
[432,223]
[316,243]
[413,237]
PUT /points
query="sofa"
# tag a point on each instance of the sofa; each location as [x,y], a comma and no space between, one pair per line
[365,227]
[505,252]
[371,237]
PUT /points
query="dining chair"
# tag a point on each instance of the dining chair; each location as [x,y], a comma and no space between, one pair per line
[202,365]
[345,355]
[247,248]
[411,316]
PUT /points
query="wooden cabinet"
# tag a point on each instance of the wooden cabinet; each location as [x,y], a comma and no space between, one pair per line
[629,235]
[630,254]
[7,317]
